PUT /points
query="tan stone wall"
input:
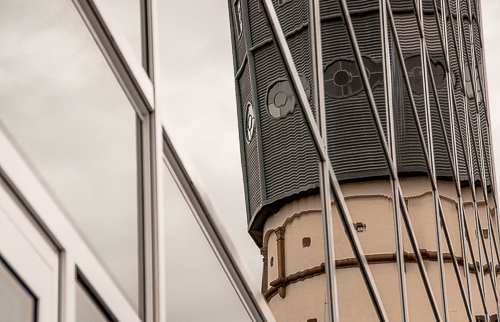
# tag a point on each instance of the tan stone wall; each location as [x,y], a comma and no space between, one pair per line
[294,279]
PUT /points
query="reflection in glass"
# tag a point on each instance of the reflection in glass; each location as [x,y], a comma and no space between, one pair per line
[86,309]
[198,96]
[197,287]
[17,304]
[127,15]
[63,106]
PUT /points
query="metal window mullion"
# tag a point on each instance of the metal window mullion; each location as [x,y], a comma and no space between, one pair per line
[414,110]
[140,91]
[298,90]
[325,193]
[149,229]
[133,80]
[388,87]
[147,37]
[216,236]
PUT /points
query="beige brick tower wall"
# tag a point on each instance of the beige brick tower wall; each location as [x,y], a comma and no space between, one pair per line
[293,279]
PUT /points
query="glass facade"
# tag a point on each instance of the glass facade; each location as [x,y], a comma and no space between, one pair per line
[64,108]
[17,303]
[121,143]
[194,277]
[86,308]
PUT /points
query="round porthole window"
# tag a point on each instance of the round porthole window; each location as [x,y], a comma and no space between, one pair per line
[280,98]
[342,77]
[249,122]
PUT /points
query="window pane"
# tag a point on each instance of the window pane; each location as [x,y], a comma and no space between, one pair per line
[64,107]
[86,309]
[199,98]
[197,287]
[127,15]
[17,304]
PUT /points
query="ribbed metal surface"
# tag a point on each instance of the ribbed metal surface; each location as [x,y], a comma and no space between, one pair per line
[293,15]
[410,156]
[289,162]
[353,145]
[241,49]
[458,96]
[251,148]
[258,27]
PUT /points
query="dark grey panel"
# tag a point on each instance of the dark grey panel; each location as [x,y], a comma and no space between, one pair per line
[353,145]
[251,148]
[289,156]
[288,160]
[241,48]
[258,27]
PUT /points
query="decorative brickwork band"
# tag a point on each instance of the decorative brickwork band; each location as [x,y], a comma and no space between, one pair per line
[283,281]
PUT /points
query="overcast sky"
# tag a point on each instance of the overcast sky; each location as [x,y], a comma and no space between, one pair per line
[491,31]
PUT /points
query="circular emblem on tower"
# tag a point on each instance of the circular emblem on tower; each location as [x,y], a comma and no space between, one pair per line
[249,122]
[280,99]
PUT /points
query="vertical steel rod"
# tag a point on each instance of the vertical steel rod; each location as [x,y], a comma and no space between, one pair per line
[325,193]
[430,150]
[388,91]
